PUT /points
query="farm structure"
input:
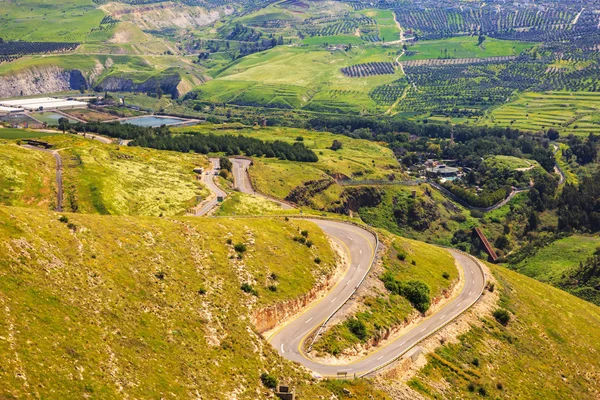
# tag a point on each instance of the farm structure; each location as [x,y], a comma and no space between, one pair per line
[45,103]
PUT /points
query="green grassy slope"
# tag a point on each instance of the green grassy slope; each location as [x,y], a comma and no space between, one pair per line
[135,306]
[549,350]
[118,180]
[26,177]
[464,47]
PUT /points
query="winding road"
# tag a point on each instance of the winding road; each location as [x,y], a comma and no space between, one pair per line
[208,179]
[360,245]
[243,184]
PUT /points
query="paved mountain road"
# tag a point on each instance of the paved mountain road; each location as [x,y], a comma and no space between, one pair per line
[289,340]
[208,178]
[243,184]
[360,245]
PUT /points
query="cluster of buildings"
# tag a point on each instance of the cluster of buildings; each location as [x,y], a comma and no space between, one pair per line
[39,104]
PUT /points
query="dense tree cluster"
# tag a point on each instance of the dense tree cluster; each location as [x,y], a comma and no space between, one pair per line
[579,206]
[228,144]
[417,292]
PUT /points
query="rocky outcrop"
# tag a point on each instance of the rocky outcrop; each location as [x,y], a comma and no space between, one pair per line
[167,83]
[302,194]
[39,80]
[352,199]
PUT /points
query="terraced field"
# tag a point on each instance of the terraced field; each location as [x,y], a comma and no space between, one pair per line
[567,112]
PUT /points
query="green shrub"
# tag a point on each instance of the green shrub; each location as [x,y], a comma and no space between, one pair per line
[317,260]
[475,362]
[471,387]
[240,248]
[246,287]
[309,243]
[64,219]
[446,275]
[502,316]
[357,327]
[272,288]
[482,391]
[304,233]
[401,256]
[201,291]
[268,380]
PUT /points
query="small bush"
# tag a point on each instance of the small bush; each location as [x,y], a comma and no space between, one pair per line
[246,287]
[201,291]
[160,275]
[272,288]
[491,287]
[471,387]
[401,256]
[229,241]
[413,262]
[299,139]
[499,386]
[309,243]
[274,276]
[318,260]
[268,380]
[502,316]
[304,233]
[240,247]
[482,391]
[475,362]
[476,214]
[446,275]
[357,327]
[64,219]
[224,174]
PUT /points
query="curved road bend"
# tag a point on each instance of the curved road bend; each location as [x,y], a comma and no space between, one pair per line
[243,184]
[289,340]
[208,180]
[59,180]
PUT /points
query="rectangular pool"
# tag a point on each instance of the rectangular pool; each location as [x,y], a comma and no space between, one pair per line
[153,121]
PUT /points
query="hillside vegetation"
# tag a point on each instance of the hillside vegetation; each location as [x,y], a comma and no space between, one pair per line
[134,306]
[548,350]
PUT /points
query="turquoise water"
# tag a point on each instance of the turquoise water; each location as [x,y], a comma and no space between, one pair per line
[151,121]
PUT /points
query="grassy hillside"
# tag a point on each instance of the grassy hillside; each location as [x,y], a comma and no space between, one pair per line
[380,310]
[117,180]
[357,159]
[548,350]
[27,176]
[132,306]
[464,47]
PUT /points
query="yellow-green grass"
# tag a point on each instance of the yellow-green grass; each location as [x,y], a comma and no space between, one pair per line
[559,259]
[115,307]
[118,180]
[386,24]
[568,112]
[509,163]
[333,40]
[10,133]
[291,77]
[27,177]
[549,350]
[358,159]
[238,203]
[465,47]
[47,20]
[383,311]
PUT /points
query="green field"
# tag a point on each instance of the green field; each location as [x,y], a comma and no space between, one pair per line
[551,264]
[548,350]
[294,77]
[464,47]
[386,24]
[565,111]
[26,177]
[509,163]
[9,133]
[46,20]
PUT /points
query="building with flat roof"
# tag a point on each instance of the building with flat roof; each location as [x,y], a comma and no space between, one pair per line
[43,103]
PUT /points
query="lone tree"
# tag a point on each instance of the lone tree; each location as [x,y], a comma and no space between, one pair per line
[63,124]
[552,134]
[336,145]
[225,164]
[480,40]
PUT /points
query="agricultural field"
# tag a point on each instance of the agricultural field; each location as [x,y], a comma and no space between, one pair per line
[293,77]
[120,180]
[9,133]
[386,24]
[27,177]
[464,47]
[567,112]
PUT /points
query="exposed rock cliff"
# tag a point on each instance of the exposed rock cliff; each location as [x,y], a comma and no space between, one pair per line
[39,80]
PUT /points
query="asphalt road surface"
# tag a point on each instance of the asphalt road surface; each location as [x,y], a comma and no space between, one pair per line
[209,181]
[289,340]
[59,180]
[242,180]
